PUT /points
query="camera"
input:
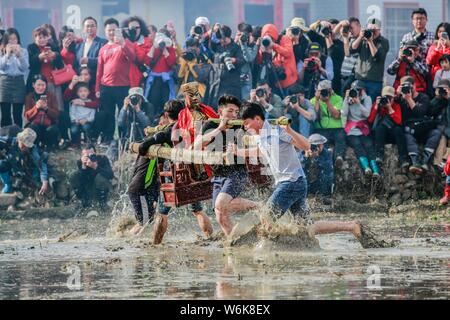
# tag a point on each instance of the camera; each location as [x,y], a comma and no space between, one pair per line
[314,148]
[162,41]
[384,101]
[188,56]
[295,31]
[346,29]
[444,35]
[407,52]
[245,38]
[353,93]
[198,30]
[280,73]
[134,100]
[326,31]
[225,58]
[442,92]
[324,93]
[132,33]
[260,93]
[293,99]
[266,41]
[93,157]
[368,34]
[406,89]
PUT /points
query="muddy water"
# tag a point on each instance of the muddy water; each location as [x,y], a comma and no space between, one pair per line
[91,265]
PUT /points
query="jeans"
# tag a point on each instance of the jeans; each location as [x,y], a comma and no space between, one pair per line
[110,97]
[394,135]
[373,88]
[363,146]
[290,196]
[431,140]
[305,127]
[76,129]
[336,137]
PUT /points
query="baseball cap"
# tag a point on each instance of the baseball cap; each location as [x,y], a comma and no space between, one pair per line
[202,21]
[376,22]
[314,46]
[316,139]
[137,91]
[299,23]
[324,85]
[27,137]
[443,83]
[388,91]
[411,44]
[358,84]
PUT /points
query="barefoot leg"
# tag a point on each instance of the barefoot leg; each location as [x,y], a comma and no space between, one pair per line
[159,228]
[327,227]
[204,222]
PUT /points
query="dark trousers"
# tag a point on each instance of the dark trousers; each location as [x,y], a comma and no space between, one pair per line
[146,199]
[64,123]
[158,96]
[77,129]
[394,135]
[48,136]
[430,139]
[335,137]
[17,113]
[363,146]
[88,190]
[110,97]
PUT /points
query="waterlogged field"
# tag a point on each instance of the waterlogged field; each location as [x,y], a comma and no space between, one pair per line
[92,261]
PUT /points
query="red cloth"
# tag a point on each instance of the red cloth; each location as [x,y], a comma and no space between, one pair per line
[70,95]
[141,51]
[421,83]
[396,116]
[68,57]
[114,63]
[434,56]
[284,55]
[163,64]
[36,116]
[46,68]
[447,167]
[361,125]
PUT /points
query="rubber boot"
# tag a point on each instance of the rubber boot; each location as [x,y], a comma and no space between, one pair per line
[375,169]
[6,180]
[415,168]
[446,199]
[365,166]
[427,154]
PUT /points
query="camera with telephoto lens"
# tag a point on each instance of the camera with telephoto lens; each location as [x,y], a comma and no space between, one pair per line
[266,41]
[311,64]
[295,31]
[245,37]
[198,30]
[346,29]
[260,92]
[188,56]
[134,100]
[132,33]
[324,93]
[93,157]
[384,101]
[368,34]
[407,52]
[406,89]
[226,59]
[162,41]
[353,93]
[442,92]
[326,31]
[293,99]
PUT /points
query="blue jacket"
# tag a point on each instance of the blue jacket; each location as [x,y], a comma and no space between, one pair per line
[92,55]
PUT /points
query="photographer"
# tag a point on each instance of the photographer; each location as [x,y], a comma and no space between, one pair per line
[93,178]
[387,128]
[440,111]
[373,49]
[21,158]
[419,128]
[328,107]
[315,68]
[202,32]
[160,85]
[409,63]
[355,112]
[272,103]
[319,168]
[194,66]
[137,32]
[228,60]
[300,110]
[132,119]
[276,58]
[244,38]
[297,32]
[349,31]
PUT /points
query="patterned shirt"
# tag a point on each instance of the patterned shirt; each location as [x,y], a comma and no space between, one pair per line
[424,44]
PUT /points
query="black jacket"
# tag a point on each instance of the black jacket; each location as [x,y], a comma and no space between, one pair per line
[103,168]
[35,63]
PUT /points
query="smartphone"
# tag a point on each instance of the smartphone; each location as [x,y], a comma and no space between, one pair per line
[444,35]
[118,33]
[48,48]
[43,98]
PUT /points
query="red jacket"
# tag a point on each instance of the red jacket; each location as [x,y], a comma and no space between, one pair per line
[163,64]
[68,57]
[284,54]
[141,50]
[114,63]
[39,117]
[421,83]
[434,56]
[396,116]
[447,167]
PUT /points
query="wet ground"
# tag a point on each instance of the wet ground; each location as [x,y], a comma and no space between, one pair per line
[92,262]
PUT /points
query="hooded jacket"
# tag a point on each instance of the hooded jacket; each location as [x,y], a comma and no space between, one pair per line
[284,54]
